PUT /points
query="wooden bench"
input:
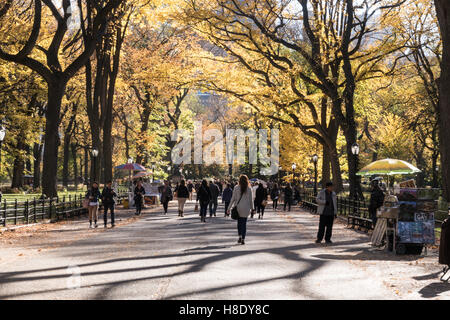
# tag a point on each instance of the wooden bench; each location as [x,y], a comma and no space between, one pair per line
[310,206]
[360,222]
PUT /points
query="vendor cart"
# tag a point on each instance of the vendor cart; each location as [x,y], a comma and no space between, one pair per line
[409,219]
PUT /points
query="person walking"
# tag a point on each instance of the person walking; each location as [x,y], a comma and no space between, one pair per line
[139,192]
[204,197]
[226,197]
[287,197]
[93,195]
[108,201]
[215,191]
[327,208]
[166,195]
[376,201]
[261,200]
[190,187]
[274,195]
[182,196]
[242,199]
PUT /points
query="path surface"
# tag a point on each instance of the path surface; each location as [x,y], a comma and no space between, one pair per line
[166,257]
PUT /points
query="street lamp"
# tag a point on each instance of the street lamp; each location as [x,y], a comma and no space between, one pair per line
[279,174]
[130,161]
[2,137]
[293,172]
[94,157]
[315,159]
[355,152]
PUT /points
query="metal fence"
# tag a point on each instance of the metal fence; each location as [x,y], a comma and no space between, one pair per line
[18,212]
[356,211]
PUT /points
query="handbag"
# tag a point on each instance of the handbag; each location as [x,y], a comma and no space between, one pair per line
[264,203]
[234,211]
[196,208]
[85,203]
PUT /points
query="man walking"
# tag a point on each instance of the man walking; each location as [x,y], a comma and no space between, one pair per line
[214,189]
[108,195]
[327,201]
[226,197]
[287,197]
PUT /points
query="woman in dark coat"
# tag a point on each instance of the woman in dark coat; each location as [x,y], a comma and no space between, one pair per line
[275,195]
[261,200]
[166,195]
[182,195]
[204,197]
[139,193]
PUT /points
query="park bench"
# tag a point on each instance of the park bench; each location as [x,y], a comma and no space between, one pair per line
[311,206]
[360,222]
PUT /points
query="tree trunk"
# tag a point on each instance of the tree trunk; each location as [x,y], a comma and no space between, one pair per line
[326,174]
[66,155]
[37,153]
[73,148]
[18,168]
[443,14]
[51,141]
[86,166]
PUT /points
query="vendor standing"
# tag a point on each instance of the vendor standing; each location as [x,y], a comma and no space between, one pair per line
[376,201]
[327,201]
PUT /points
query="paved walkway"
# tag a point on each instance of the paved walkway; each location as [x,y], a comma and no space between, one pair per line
[166,257]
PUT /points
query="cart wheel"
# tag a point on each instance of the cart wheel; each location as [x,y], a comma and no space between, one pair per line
[400,248]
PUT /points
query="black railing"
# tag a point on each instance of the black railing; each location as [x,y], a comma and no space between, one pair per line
[356,211]
[37,210]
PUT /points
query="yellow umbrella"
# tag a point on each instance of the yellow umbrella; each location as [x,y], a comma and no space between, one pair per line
[388,167]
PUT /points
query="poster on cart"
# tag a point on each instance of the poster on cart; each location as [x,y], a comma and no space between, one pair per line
[416,232]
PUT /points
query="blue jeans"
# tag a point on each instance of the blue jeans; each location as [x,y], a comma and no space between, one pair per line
[212,207]
[242,227]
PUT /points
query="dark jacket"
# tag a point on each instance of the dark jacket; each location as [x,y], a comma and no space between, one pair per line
[444,246]
[275,194]
[214,189]
[204,194]
[139,193]
[166,194]
[108,195]
[183,192]
[261,194]
[287,193]
[227,194]
[376,198]
[94,193]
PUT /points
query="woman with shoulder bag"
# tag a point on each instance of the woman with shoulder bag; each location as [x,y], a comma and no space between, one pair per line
[242,203]
[92,196]
[261,200]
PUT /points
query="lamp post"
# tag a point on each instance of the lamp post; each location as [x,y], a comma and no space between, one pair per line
[294,166]
[153,172]
[355,152]
[94,158]
[315,158]
[279,174]
[2,137]
[130,162]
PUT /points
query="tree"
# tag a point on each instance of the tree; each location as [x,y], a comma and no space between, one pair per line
[46,60]
[443,14]
[332,41]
